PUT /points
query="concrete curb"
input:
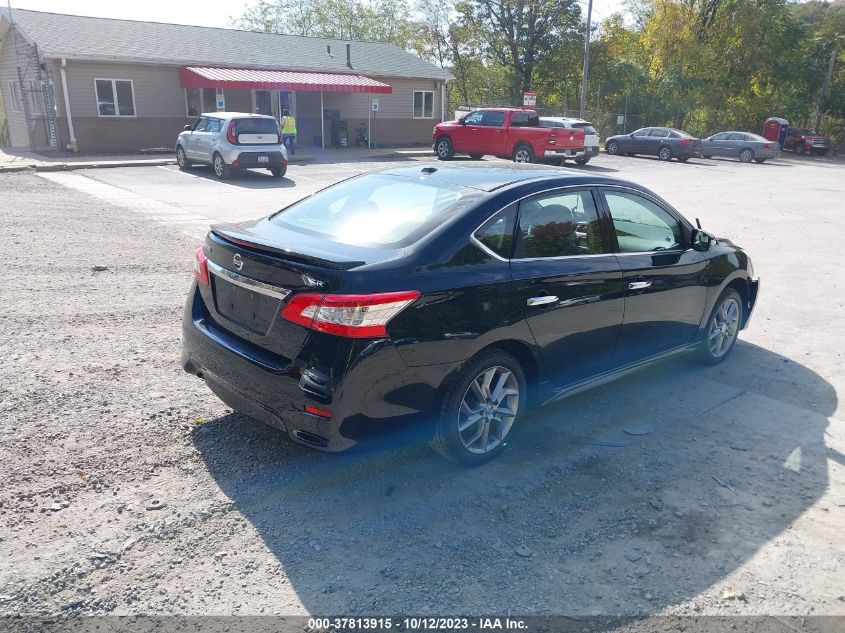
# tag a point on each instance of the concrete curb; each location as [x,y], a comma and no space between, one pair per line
[15,168]
[104,164]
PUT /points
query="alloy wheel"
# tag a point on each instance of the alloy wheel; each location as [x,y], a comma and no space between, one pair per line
[443,149]
[665,153]
[180,157]
[746,156]
[522,155]
[488,409]
[612,148]
[724,328]
[218,166]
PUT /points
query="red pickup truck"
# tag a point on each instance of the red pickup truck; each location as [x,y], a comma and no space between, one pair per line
[507,133]
[803,141]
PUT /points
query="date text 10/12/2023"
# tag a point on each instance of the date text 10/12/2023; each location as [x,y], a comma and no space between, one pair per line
[426,623]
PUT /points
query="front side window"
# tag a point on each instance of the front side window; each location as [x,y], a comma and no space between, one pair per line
[643,132]
[201,124]
[558,225]
[378,210]
[721,136]
[497,233]
[474,119]
[115,97]
[641,225]
[423,104]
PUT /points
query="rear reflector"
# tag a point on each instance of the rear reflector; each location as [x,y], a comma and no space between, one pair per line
[323,413]
[352,316]
[201,266]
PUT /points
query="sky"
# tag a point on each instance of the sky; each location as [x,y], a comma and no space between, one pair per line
[200,12]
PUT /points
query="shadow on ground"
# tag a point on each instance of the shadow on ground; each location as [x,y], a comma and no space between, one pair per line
[247,178]
[624,500]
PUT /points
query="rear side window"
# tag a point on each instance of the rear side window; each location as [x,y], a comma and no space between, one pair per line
[494,119]
[587,127]
[377,210]
[214,126]
[497,233]
[558,225]
[525,119]
[256,126]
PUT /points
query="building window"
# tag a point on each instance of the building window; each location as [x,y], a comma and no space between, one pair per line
[115,97]
[423,104]
[199,100]
[36,97]
[15,100]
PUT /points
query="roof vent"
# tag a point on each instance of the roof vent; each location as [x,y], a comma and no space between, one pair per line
[429,170]
[349,55]
[329,50]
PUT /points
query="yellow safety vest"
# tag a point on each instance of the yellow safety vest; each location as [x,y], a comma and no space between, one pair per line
[288,126]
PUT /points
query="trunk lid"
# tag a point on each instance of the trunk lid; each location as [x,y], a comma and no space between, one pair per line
[256,267]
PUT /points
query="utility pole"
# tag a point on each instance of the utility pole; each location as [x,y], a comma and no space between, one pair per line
[825,91]
[586,59]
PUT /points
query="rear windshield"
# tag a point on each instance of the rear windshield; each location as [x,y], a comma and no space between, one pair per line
[256,126]
[587,127]
[376,210]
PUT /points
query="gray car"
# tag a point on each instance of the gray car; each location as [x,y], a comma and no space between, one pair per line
[742,145]
[664,142]
[230,141]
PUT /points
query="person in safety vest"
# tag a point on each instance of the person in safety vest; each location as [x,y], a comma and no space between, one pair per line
[289,131]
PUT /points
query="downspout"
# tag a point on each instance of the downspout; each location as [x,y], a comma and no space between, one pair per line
[443,100]
[72,144]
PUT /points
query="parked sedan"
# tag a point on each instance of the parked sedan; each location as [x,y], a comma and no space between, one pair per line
[231,141]
[664,142]
[742,145]
[450,299]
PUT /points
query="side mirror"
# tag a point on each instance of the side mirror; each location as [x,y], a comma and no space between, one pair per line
[702,240]
[462,120]
[188,127]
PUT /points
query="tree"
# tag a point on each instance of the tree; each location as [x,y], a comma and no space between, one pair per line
[519,33]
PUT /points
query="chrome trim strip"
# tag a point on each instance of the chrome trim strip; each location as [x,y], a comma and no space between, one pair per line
[248,282]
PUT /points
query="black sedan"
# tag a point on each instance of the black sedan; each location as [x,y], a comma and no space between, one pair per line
[664,142]
[452,298]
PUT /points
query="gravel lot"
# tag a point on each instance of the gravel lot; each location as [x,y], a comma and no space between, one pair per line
[129,489]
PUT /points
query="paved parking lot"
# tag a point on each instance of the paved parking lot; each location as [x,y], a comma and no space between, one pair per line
[732,499]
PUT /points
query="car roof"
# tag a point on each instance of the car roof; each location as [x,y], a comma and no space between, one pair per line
[489,178]
[238,115]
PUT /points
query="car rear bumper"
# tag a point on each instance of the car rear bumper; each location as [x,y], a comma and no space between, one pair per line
[258,159]
[570,153]
[363,397]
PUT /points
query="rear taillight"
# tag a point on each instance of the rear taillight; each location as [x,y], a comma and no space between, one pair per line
[230,133]
[552,139]
[201,266]
[686,141]
[352,316]
[767,146]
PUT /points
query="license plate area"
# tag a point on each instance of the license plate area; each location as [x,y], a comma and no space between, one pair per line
[249,309]
[263,159]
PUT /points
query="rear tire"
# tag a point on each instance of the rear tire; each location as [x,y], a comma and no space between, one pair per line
[665,153]
[523,154]
[279,172]
[612,148]
[221,169]
[182,159]
[799,149]
[683,159]
[582,161]
[760,160]
[746,155]
[486,398]
[722,328]
[443,148]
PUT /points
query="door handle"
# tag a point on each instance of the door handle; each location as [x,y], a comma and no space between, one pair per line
[542,300]
[639,285]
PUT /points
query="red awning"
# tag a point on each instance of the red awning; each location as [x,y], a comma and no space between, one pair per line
[246,78]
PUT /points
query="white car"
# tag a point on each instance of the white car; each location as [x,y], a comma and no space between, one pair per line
[232,140]
[591,136]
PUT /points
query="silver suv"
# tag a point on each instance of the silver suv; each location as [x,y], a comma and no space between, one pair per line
[232,140]
[591,136]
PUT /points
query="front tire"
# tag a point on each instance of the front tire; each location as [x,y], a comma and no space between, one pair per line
[221,169]
[523,154]
[665,153]
[480,408]
[612,148]
[746,155]
[722,329]
[182,159]
[444,148]
[799,149]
